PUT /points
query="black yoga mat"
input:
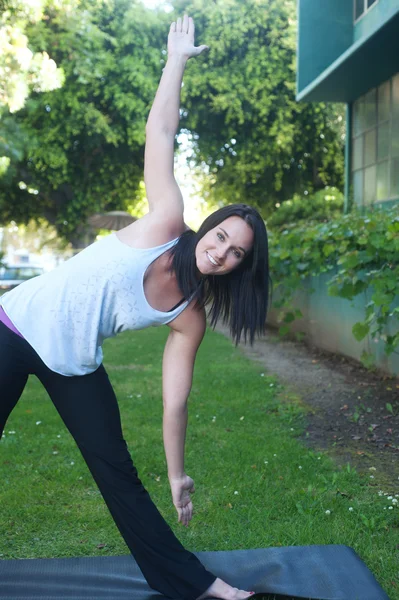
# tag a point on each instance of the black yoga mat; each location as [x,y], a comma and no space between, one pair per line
[333,572]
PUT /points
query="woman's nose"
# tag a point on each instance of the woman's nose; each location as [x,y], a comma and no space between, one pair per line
[220,254]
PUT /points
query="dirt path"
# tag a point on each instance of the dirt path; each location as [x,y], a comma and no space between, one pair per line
[346,405]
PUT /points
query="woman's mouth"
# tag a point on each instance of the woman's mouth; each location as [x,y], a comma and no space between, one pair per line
[212,260]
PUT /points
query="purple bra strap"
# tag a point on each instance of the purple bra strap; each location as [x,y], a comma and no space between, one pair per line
[4,319]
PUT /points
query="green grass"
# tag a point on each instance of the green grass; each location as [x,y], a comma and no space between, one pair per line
[257,485]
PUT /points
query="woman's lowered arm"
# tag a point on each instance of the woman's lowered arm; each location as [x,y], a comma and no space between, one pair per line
[178,364]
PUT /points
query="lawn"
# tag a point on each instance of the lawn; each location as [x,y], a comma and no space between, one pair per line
[257,485]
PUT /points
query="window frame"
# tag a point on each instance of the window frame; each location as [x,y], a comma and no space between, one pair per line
[365,10]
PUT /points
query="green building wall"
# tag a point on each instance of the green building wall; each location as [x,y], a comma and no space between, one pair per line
[325,31]
[343,61]
[328,320]
[339,60]
[382,11]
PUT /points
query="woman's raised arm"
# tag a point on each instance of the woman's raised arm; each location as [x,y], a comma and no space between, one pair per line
[163,193]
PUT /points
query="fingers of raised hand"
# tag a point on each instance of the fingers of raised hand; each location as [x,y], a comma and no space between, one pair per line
[185,25]
[182,24]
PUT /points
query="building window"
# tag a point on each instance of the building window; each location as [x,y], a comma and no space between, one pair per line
[375,144]
[360,7]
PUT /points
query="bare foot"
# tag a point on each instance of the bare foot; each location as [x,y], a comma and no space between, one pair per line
[220,589]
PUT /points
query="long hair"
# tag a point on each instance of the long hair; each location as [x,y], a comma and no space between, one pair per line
[241,297]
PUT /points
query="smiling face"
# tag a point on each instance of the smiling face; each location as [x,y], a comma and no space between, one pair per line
[224,247]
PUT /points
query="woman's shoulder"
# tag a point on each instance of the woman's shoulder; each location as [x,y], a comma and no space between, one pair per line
[152,230]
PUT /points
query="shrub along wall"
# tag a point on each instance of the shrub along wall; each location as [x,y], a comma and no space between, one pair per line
[321,206]
[360,251]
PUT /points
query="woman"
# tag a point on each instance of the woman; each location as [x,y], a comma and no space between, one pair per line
[155,271]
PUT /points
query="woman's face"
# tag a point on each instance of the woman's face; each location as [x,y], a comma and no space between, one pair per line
[224,248]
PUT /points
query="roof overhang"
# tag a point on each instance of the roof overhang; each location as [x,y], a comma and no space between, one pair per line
[367,63]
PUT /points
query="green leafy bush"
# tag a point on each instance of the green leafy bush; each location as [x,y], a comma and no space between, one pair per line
[320,206]
[362,250]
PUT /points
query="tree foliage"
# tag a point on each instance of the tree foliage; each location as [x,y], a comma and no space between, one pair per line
[21,72]
[83,144]
[261,146]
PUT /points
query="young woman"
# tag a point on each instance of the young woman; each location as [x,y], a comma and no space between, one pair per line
[155,271]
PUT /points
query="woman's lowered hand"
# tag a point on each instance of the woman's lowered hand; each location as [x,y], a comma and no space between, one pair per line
[181,488]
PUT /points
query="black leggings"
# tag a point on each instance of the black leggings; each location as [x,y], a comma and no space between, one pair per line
[88,406]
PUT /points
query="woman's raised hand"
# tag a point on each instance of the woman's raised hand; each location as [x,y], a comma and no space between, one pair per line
[181,39]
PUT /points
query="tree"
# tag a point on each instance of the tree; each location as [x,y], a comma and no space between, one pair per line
[84,144]
[260,146]
[21,71]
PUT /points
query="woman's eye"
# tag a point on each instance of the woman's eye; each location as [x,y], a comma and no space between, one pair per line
[235,252]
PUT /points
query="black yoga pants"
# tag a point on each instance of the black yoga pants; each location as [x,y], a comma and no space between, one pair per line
[88,406]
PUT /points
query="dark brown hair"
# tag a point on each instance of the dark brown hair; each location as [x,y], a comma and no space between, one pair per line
[240,298]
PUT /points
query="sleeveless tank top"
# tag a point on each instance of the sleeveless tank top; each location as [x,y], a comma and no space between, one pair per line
[67,313]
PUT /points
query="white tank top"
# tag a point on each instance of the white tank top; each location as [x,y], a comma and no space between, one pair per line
[66,314]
